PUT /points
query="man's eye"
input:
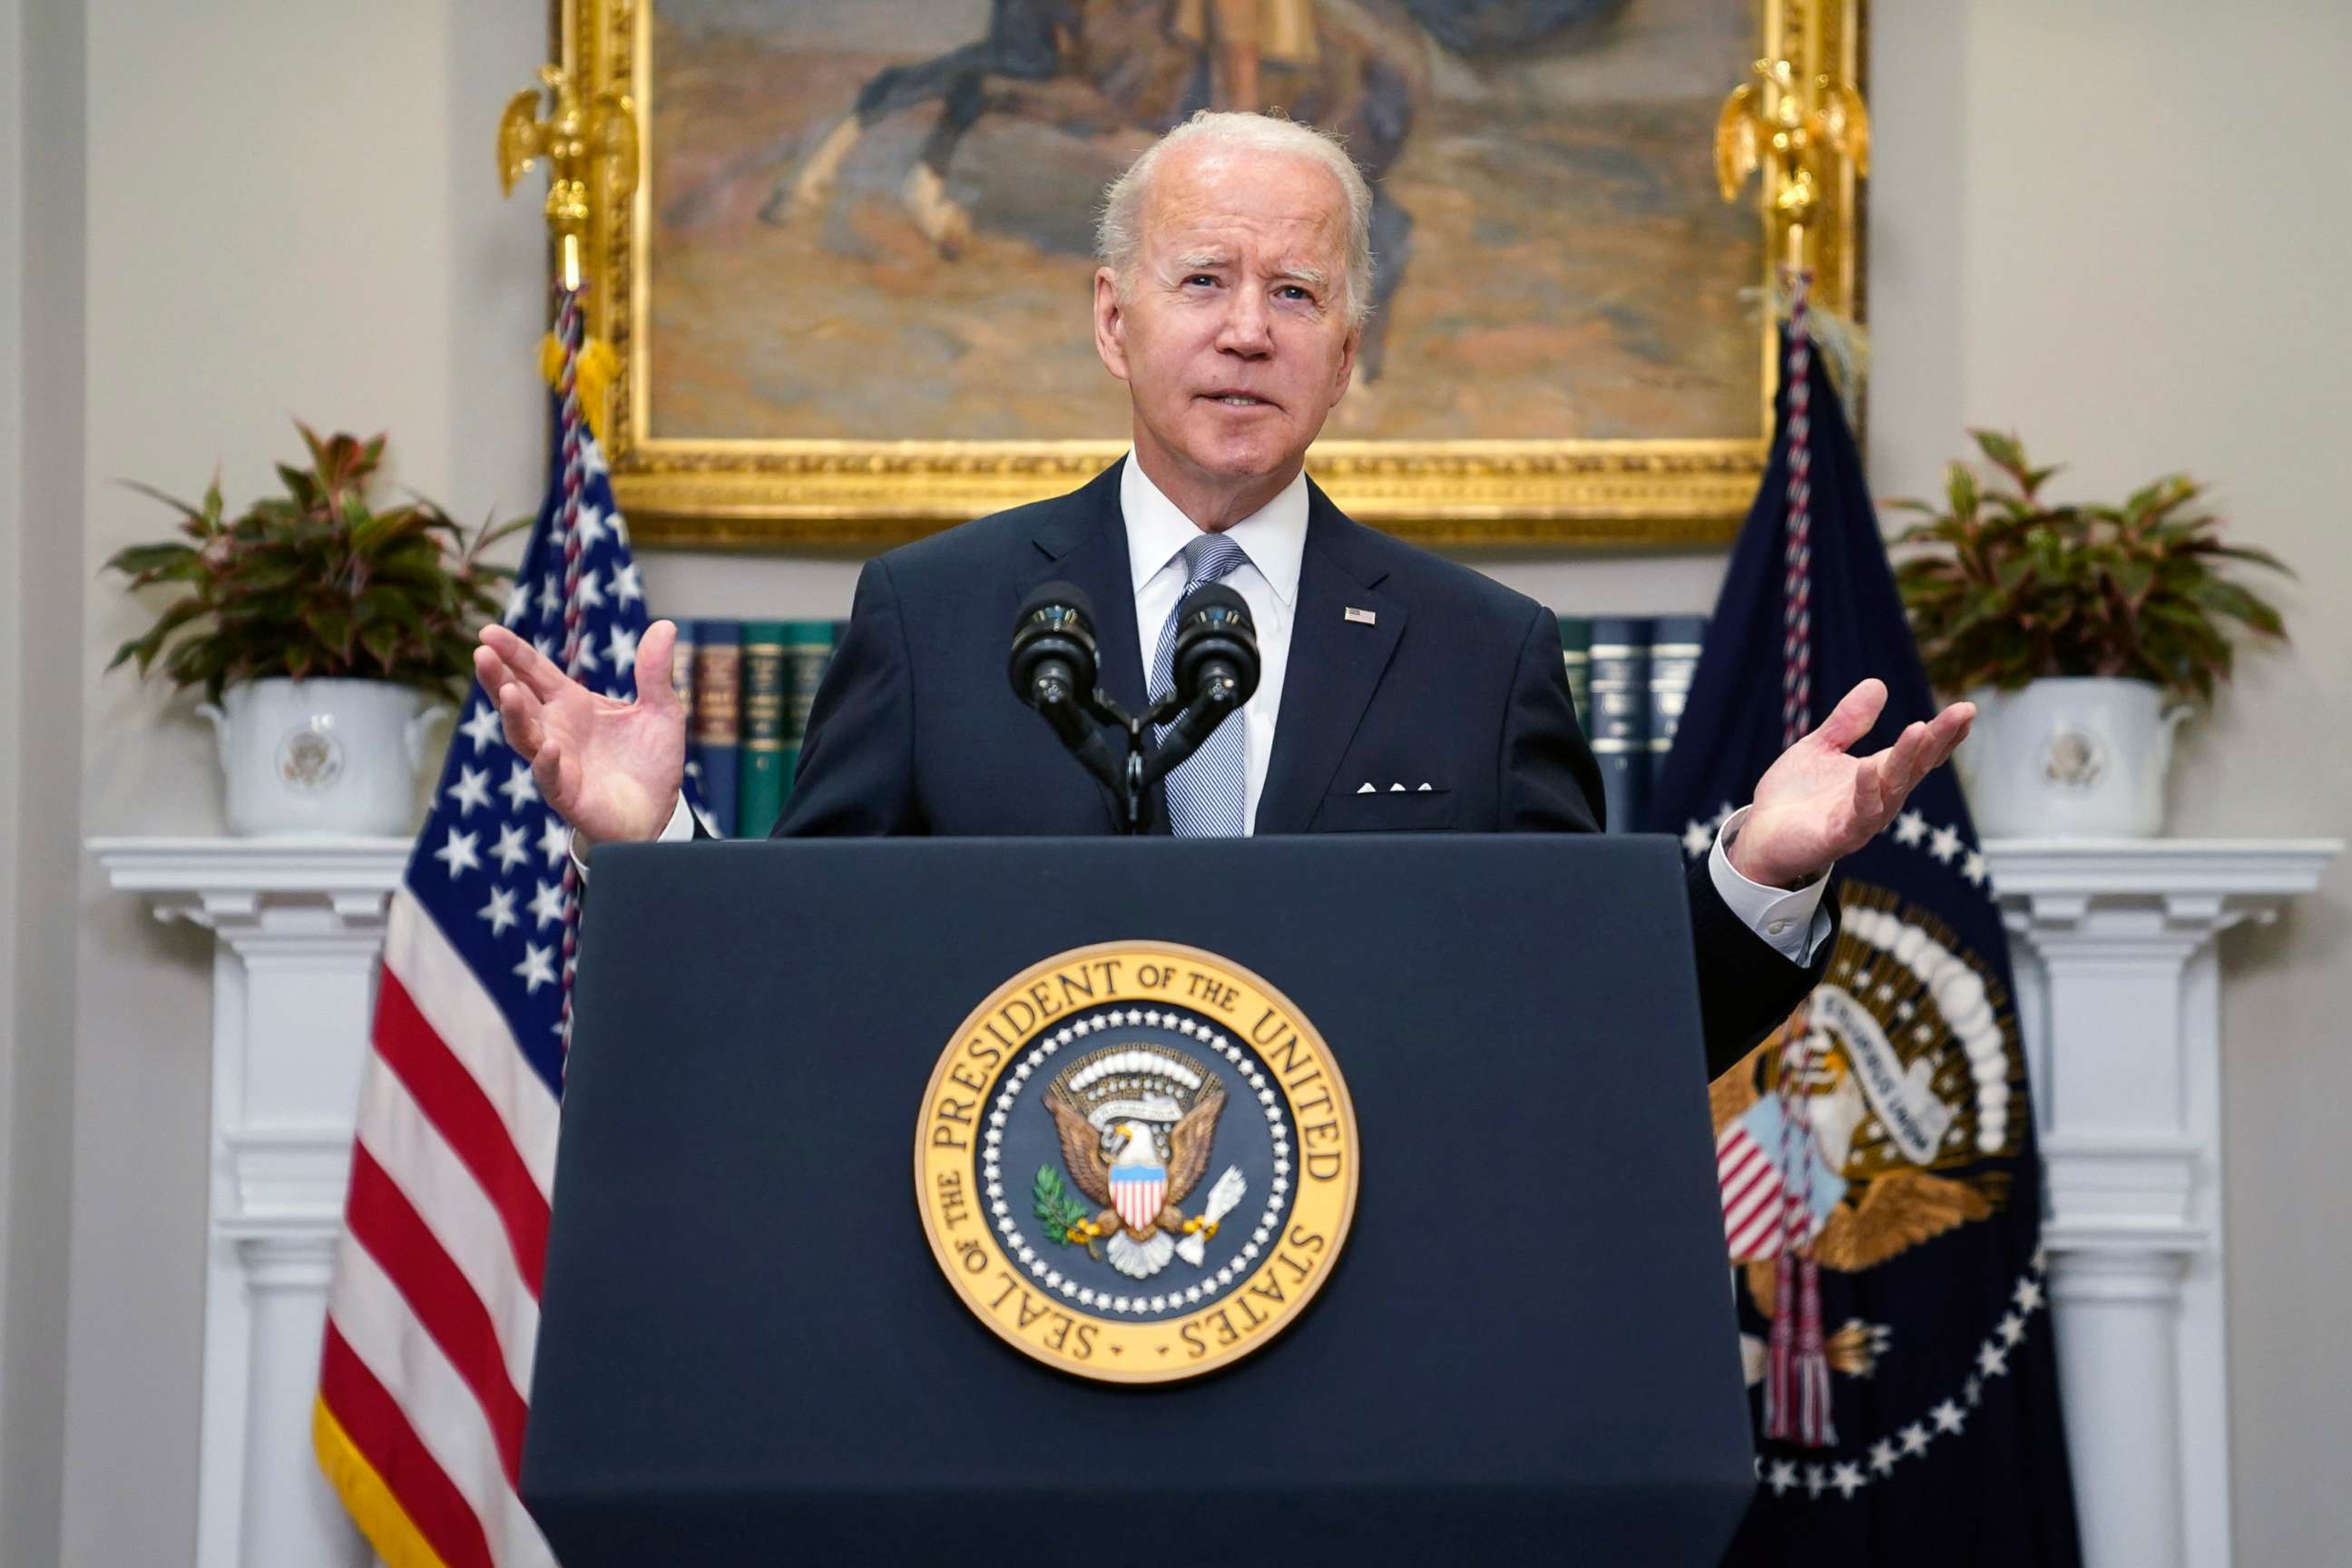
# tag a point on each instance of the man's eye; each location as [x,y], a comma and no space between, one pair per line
[1293,291]
[1210,278]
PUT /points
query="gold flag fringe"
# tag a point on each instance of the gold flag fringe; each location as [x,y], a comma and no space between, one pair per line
[598,365]
[366,1499]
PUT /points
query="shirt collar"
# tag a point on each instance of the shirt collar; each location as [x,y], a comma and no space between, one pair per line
[1274,537]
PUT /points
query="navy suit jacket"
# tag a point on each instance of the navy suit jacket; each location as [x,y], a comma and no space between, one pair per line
[1457,682]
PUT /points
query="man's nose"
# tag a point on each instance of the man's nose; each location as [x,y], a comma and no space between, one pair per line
[1248,326]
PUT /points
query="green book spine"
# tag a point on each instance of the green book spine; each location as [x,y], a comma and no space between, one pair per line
[761,766]
[808,650]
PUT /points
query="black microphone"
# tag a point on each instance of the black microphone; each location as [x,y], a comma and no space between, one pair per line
[1053,658]
[1215,670]
[1053,668]
[1216,647]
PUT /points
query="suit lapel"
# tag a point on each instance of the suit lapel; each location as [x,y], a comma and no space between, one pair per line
[1084,542]
[1334,667]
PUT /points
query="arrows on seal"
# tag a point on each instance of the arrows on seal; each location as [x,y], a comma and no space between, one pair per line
[1228,1192]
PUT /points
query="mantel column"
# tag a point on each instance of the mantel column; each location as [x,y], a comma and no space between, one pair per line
[2118,978]
[300,924]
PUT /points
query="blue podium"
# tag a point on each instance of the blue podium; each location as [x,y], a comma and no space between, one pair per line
[759,1344]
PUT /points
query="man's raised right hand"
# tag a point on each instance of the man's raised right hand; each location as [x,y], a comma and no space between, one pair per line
[611,769]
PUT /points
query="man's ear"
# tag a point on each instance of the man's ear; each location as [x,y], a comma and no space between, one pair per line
[1348,363]
[1110,323]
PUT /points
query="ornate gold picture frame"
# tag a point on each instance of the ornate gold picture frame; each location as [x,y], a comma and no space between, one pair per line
[847,297]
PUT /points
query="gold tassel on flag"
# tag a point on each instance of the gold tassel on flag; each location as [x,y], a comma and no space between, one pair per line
[594,371]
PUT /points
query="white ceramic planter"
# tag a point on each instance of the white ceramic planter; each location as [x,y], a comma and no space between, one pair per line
[2072,757]
[322,758]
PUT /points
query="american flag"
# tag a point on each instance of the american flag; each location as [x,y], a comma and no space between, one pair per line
[424,1378]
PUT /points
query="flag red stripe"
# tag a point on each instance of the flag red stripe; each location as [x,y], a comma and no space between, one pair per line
[1738,1205]
[372,1419]
[1757,1214]
[385,1222]
[1749,1228]
[455,1104]
[1752,1168]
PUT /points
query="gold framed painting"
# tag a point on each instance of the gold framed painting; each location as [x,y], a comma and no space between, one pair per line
[848,297]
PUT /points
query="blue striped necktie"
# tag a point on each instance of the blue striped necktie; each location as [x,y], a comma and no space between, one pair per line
[1208,794]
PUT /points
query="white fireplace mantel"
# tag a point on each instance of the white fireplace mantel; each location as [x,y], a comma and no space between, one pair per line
[298,924]
[2118,978]
[2118,996]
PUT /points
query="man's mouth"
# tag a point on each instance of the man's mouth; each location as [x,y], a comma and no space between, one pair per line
[1232,399]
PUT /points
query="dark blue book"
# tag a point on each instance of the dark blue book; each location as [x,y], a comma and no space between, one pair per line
[1619,728]
[1674,659]
[682,682]
[716,740]
[681,668]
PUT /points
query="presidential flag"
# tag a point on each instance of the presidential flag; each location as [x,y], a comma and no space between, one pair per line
[425,1377]
[1881,1190]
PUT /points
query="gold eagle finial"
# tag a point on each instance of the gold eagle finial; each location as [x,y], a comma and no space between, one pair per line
[1794,127]
[576,139]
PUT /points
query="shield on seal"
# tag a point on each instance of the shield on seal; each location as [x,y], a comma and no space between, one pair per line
[1137,1193]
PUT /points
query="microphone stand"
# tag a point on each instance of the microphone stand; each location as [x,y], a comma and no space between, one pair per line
[1130,782]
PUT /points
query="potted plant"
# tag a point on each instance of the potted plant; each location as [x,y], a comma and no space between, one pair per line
[2084,634]
[325,635]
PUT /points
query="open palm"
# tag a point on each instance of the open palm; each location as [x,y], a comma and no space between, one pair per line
[1817,803]
[611,769]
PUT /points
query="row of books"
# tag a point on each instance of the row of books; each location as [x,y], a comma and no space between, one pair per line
[746,687]
[1629,676]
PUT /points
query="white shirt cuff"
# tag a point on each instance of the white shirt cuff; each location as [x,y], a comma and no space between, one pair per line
[1790,921]
[679,827]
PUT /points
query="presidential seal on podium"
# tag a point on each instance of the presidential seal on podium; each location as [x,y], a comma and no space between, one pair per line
[1136,1162]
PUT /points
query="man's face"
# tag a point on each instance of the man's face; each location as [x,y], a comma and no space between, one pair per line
[1233,338]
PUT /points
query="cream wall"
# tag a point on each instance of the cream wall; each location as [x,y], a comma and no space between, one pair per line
[2107,225]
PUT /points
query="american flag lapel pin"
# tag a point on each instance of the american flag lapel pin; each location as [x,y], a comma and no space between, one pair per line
[1361,618]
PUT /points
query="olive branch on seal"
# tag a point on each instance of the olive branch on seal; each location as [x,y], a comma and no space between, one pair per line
[1056,1208]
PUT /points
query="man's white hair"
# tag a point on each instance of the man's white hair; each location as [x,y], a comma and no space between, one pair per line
[1119,235]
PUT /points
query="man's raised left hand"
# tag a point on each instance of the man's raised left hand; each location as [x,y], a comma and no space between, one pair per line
[1817,803]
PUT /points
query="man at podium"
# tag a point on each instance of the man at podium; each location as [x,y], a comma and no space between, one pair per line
[1399,692]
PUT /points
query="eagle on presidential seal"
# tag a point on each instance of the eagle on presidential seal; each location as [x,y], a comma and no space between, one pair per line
[1135,1123]
[1912,1051]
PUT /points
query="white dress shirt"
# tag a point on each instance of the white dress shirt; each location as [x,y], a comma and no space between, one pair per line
[1790,921]
[1273,538]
